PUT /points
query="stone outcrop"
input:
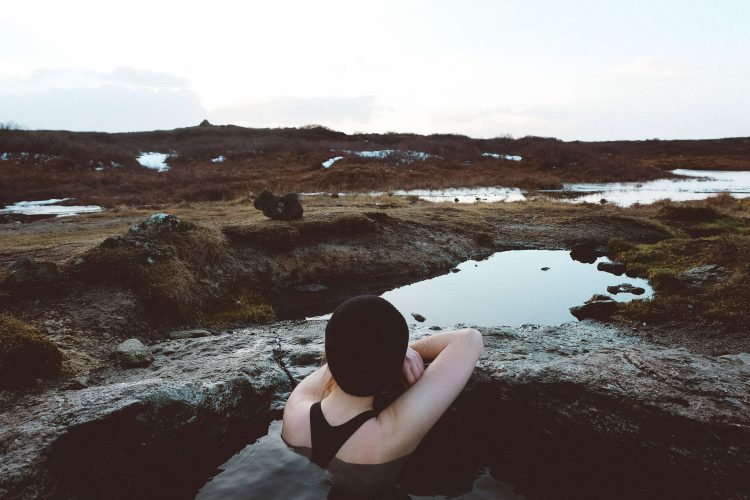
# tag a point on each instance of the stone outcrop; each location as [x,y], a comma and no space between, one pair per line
[599,307]
[287,207]
[577,411]
[611,267]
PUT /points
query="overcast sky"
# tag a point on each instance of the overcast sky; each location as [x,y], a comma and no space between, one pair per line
[575,69]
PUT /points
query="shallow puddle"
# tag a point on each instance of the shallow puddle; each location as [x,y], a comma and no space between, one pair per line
[702,184]
[699,185]
[269,469]
[508,289]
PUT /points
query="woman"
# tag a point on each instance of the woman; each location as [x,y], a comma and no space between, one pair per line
[331,411]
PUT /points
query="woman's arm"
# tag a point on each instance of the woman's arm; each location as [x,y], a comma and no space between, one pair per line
[408,419]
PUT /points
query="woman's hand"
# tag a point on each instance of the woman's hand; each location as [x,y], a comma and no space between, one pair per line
[413,366]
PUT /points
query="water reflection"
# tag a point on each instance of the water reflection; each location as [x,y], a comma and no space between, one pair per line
[508,289]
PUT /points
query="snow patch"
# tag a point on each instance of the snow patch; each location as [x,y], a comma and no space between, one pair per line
[49,207]
[329,163]
[218,159]
[501,156]
[154,161]
[385,153]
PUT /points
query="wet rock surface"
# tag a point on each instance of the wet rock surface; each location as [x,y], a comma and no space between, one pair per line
[575,411]
[611,267]
[598,307]
[626,288]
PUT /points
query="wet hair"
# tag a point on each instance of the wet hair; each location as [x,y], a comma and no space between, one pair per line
[366,340]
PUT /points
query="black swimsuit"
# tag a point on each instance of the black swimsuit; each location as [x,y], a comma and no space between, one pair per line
[327,439]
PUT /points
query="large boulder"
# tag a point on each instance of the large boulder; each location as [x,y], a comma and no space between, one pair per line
[287,207]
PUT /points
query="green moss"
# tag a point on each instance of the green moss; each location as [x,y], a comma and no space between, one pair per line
[247,309]
[724,303]
[25,354]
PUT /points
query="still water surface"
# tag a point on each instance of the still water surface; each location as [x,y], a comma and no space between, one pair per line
[698,185]
[508,289]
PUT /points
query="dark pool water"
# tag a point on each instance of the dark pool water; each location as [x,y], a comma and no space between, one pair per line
[268,469]
[508,289]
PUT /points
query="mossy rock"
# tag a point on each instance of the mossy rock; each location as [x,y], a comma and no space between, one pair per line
[25,354]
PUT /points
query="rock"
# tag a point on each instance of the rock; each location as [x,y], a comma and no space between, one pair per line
[161,223]
[611,267]
[586,251]
[741,358]
[435,328]
[544,409]
[188,334]
[287,207]
[455,200]
[312,288]
[626,288]
[598,307]
[597,297]
[132,353]
[191,413]
[205,123]
[418,317]
[702,275]
[28,273]
[545,269]
[455,270]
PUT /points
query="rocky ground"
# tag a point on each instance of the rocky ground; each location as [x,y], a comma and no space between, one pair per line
[663,399]
[580,411]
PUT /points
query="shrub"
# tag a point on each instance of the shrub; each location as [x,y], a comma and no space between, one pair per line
[25,354]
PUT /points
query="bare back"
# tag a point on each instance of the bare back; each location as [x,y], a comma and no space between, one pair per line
[400,427]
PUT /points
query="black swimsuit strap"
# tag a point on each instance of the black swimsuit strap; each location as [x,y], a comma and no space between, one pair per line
[328,439]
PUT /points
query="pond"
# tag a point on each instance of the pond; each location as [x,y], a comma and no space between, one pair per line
[269,469]
[510,288]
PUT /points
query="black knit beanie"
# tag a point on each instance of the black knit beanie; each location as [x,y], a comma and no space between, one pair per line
[366,340]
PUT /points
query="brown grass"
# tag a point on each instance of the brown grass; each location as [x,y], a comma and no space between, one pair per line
[290,160]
